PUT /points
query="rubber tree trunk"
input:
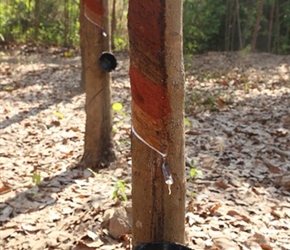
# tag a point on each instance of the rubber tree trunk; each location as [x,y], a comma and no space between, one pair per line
[157,84]
[98,143]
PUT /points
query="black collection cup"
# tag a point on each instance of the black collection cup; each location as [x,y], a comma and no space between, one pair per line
[107,61]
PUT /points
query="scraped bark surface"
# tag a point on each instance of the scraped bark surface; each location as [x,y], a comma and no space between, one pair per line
[157,84]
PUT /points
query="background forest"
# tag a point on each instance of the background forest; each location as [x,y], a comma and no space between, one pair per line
[209,25]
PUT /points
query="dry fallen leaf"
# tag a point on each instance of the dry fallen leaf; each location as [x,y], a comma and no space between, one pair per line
[238,215]
[83,246]
[276,214]
[214,208]
[233,213]
[5,233]
[30,228]
[255,127]
[266,247]
[274,170]
[221,103]
[4,190]
[221,184]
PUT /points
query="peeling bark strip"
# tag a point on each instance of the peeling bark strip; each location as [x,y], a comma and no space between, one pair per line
[157,87]
[148,71]
[94,11]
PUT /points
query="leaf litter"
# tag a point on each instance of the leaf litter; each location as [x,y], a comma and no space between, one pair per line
[237,138]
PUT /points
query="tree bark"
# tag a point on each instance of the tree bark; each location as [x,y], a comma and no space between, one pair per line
[113,24]
[277,28]
[82,43]
[270,28]
[233,40]
[66,23]
[36,19]
[227,26]
[257,25]
[98,143]
[239,25]
[157,85]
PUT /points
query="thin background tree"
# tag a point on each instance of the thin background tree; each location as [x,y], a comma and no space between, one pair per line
[257,25]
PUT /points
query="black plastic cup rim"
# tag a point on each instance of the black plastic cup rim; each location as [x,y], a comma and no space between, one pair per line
[107,61]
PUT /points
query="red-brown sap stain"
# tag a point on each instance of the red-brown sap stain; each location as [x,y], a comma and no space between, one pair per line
[150,97]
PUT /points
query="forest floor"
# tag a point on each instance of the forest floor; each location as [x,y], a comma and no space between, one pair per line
[237,142]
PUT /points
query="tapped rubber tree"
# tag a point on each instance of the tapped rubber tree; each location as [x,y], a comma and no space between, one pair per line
[157,86]
[94,33]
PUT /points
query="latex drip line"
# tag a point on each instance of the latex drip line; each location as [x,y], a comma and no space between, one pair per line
[146,143]
[97,24]
[165,169]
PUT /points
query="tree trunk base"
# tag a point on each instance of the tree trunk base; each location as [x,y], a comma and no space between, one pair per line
[89,160]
